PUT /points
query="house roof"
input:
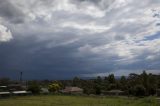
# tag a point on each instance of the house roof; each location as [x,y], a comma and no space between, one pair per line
[115,91]
[3,86]
[72,89]
[3,93]
[44,90]
[19,92]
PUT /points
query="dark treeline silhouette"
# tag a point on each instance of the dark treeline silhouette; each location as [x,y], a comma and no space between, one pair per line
[134,84]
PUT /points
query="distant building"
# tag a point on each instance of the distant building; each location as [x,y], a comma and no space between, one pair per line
[3,88]
[4,94]
[21,93]
[4,91]
[16,87]
[13,89]
[72,90]
[44,91]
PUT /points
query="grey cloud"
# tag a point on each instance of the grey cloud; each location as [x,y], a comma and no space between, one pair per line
[47,49]
[10,12]
[33,57]
[101,4]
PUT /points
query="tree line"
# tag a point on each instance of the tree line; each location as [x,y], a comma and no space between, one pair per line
[133,85]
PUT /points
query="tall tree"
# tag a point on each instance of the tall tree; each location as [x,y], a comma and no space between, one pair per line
[111,79]
[76,82]
[5,81]
[123,83]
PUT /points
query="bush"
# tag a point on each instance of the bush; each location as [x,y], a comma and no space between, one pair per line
[89,91]
[139,90]
[54,87]
[98,90]
[34,88]
[152,91]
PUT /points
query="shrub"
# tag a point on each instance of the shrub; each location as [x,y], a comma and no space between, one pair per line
[34,88]
[139,90]
[54,87]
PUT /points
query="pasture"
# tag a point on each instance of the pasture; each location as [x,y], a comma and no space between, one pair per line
[58,100]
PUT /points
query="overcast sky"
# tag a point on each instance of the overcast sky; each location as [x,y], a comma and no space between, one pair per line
[59,39]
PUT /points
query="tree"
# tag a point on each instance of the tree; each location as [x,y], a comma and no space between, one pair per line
[76,82]
[112,86]
[99,80]
[34,87]
[123,80]
[139,90]
[158,81]
[123,83]
[89,87]
[144,78]
[111,79]
[54,87]
[98,89]
[4,81]
[98,85]
[133,79]
[152,84]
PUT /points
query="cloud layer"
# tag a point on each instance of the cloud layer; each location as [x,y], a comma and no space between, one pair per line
[62,39]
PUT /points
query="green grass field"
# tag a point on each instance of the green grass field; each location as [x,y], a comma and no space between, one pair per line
[52,100]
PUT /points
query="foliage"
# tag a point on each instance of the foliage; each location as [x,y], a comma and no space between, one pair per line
[34,87]
[139,90]
[98,90]
[111,79]
[54,87]
[76,82]
[134,84]
[144,84]
[4,81]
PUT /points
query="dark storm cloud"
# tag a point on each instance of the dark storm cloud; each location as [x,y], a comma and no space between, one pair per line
[67,38]
[34,59]
[10,12]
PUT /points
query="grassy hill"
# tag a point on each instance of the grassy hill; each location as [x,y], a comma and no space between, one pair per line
[51,100]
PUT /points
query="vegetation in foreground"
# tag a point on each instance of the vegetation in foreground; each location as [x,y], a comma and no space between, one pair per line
[53,100]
